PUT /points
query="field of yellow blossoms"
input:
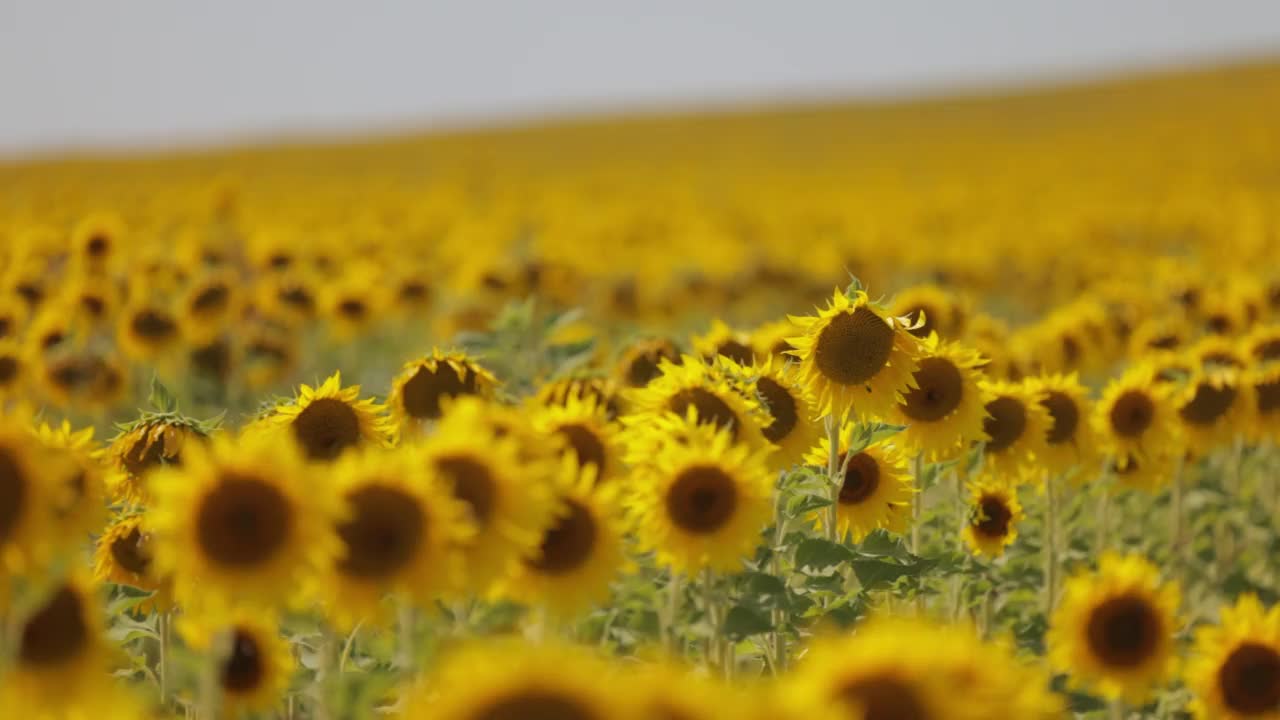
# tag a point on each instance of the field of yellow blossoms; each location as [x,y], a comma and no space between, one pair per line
[951,409]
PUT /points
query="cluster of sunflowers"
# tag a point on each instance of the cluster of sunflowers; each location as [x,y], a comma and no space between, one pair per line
[1038,479]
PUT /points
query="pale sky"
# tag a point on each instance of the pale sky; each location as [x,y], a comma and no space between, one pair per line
[163,72]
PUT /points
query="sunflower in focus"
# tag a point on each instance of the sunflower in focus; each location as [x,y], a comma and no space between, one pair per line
[423,387]
[1215,409]
[1234,669]
[255,664]
[723,341]
[875,488]
[641,362]
[327,420]
[399,530]
[703,390]
[704,504]
[150,443]
[582,428]
[946,406]
[794,426]
[239,523]
[855,357]
[1069,442]
[123,556]
[1017,424]
[1135,417]
[993,518]
[1114,628]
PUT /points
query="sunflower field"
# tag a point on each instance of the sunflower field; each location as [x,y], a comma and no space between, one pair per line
[951,409]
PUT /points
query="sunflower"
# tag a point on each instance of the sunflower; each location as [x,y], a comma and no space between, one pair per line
[854,356]
[1157,335]
[123,556]
[95,240]
[794,428]
[704,504]
[1135,417]
[355,303]
[993,518]
[507,679]
[147,331]
[1262,346]
[94,301]
[13,318]
[695,387]
[723,341]
[929,309]
[255,663]
[946,407]
[1017,424]
[29,498]
[327,420]
[239,523]
[140,448]
[507,494]
[208,307]
[13,369]
[770,340]
[1215,409]
[423,387]
[1069,442]
[82,502]
[641,362]
[1234,669]
[291,295]
[668,691]
[875,489]
[1215,351]
[558,392]
[581,551]
[1148,473]
[1114,629]
[399,532]
[581,427]
[1265,388]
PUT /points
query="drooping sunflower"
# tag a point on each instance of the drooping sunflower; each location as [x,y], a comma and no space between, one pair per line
[581,551]
[508,679]
[558,392]
[1113,630]
[794,428]
[875,490]
[724,341]
[1069,442]
[946,409]
[399,531]
[695,387]
[704,504]
[1234,669]
[994,515]
[123,556]
[1136,417]
[855,357]
[1017,424]
[640,362]
[29,498]
[507,494]
[141,447]
[329,419]
[423,387]
[1215,409]
[239,523]
[582,428]
[255,663]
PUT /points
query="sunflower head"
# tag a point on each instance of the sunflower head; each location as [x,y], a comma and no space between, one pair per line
[602,389]
[330,419]
[582,429]
[13,368]
[1136,416]
[1234,669]
[123,555]
[151,443]
[255,662]
[641,362]
[875,487]
[96,240]
[1214,408]
[855,356]
[793,428]
[1017,425]
[723,341]
[945,409]
[1114,628]
[930,309]
[32,494]
[693,387]
[424,387]
[1069,442]
[147,330]
[993,518]
[770,340]
[81,485]
[208,306]
[1262,346]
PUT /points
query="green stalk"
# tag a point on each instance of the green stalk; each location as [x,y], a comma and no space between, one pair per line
[917,510]
[406,650]
[1050,544]
[779,634]
[711,607]
[833,474]
[1175,523]
[162,663]
[670,633]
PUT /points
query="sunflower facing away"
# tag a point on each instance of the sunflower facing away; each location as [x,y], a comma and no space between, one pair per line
[994,515]
[875,490]
[423,387]
[255,664]
[327,420]
[151,443]
[946,408]
[1114,628]
[123,556]
[704,504]
[583,430]
[239,523]
[693,386]
[1017,424]
[855,357]
[1234,669]
[794,426]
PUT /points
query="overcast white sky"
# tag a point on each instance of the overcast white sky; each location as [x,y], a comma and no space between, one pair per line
[159,72]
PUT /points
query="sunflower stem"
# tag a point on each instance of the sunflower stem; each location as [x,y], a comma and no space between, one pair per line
[348,646]
[670,630]
[406,647]
[917,510]
[1104,503]
[210,690]
[778,661]
[1116,709]
[324,674]
[1050,543]
[711,607]
[1175,523]
[162,662]
[833,474]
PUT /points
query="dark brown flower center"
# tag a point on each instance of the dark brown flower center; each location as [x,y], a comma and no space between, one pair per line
[97,246]
[535,704]
[1006,422]
[384,531]
[702,499]
[472,484]
[736,351]
[8,369]
[938,392]
[243,522]
[861,479]
[1065,415]
[707,406]
[353,309]
[211,299]
[130,552]
[1207,404]
[326,427]
[212,360]
[1124,631]
[1268,396]
[245,667]
[1164,342]
[145,453]
[1132,413]
[1250,679]
[298,298]
[153,325]
[585,445]
[993,518]
[781,405]
[644,365]
[884,697]
[1267,350]
[413,291]
[13,494]
[1071,351]
[57,632]
[423,392]
[93,305]
[853,347]
[568,544]
[1218,324]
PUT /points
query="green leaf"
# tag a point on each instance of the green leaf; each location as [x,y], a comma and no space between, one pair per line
[879,573]
[758,583]
[846,614]
[805,503]
[854,287]
[743,621]
[820,554]
[880,543]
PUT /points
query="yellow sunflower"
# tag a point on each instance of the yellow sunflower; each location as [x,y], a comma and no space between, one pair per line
[1017,424]
[794,426]
[503,679]
[239,523]
[855,357]
[327,420]
[1234,669]
[355,303]
[581,551]
[581,427]
[123,556]
[723,341]
[704,504]
[929,309]
[30,495]
[147,330]
[1113,630]
[255,663]
[993,518]
[13,369]
[150,443]
[770,340]
[875,491]
[95,240]
[1070,442]
[208,307]
[1148,473]
[640,362]
[945,410]
[1265,388]
[1135,417]
[1158,335]
[558,392]
[1215,408]
[1262,345]
[423,387]
[81,509]
[13,318]
[694,386]
[667,690]
[399,532]
[1215,351]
